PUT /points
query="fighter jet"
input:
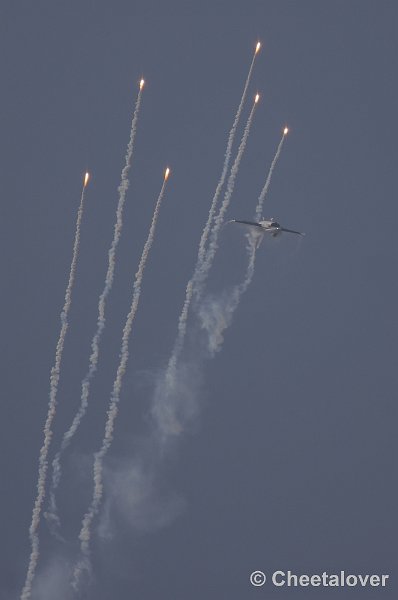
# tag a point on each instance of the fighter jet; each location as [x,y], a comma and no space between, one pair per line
[266,226]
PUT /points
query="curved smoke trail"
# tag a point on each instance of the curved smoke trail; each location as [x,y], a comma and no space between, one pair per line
[85,532]
[219,220]
[162,413]
[206,231]
[52,405]
[216,313]
[51,515]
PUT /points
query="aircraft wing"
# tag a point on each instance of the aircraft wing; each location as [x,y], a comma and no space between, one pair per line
[291,231]
[251,223]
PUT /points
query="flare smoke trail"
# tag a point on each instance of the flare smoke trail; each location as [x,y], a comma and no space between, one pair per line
[216,314]
[196,283]
[261,198]
[52,404]
[51,515]
[227,160]
[178,344]
[85,532]
[219,220]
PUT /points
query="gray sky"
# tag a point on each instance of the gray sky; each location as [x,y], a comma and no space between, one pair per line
[290,460]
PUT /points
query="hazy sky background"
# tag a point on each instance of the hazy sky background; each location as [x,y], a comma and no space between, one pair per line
[291,462]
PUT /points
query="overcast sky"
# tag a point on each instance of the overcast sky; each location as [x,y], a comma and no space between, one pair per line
[290,459]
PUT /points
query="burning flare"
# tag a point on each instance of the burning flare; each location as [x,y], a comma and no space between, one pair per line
[142,83]
[86,179]
[166,174]
[258,46]
[286,131]
[257,98]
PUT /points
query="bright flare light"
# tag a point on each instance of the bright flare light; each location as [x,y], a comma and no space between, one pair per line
[166,174]
[86,178]
[258,47]
[286,131]
[142,83]
[257,98]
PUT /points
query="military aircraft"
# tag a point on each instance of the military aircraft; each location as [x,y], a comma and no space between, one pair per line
[266,226]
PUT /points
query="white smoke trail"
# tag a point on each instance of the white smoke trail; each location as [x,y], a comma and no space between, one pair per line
[205,267]
[85,532]
[52,405]
[182,320]
[261,198]
[51,515]
[216,313]
[227,160]
[195,285]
